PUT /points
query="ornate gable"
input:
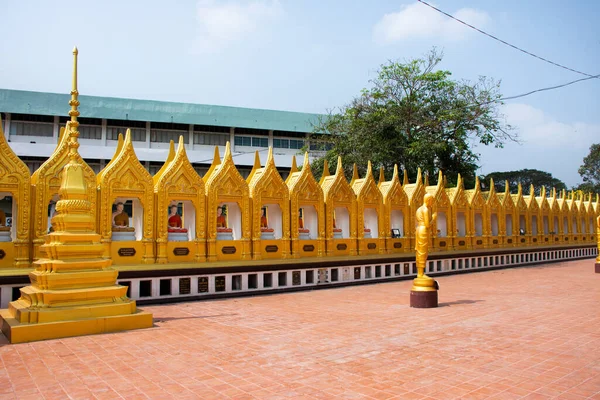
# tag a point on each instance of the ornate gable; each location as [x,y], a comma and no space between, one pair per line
[518,201]
[531,202]
[302,184]
[392,192]
[266,183]
[542,201]
[366,189]
[457,195]
[46,181]
[125,176]
[491,197]
[415,191]
[336,187]
[15,178]
[475,197]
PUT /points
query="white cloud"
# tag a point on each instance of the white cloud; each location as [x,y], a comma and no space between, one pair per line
[542,130]
[547,144]
[419,21]
[223,23]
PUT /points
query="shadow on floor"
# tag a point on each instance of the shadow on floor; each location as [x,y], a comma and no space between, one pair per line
[457,302]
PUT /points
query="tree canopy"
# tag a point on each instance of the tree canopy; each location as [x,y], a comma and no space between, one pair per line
[417,117]
[590,170]
[525,177]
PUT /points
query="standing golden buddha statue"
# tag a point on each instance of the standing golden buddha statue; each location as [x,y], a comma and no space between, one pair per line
[424,291]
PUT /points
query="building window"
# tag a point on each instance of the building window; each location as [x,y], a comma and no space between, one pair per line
[251,141]
[31,125]
[210,135]
[320,146]
[116,126]
[250,131]
[89,128]
[164,133]
[295,144]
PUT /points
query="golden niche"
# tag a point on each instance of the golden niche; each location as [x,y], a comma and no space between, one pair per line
[270,200]
[228,210]
[494,217]
[307,210]
[126,200]
[414,193]
[396,213]
[16,208]
[443,234]
[369,213]
[510,224]
[478,217]
[533,211]
[180,200]
[521,218]
[340,211]
[462,230]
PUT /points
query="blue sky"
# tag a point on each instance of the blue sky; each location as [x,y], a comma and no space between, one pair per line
[312,56]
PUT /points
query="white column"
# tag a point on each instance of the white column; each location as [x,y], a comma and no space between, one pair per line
[270,138]
[7,126]
[55,128]
[104,132]
[191,138]
[231,137]
[148,134]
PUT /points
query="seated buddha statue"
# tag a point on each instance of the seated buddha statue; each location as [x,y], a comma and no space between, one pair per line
[176,231]
[175,223]
[367,233]
[4,230]
[121,231]
[265,231]
[337,232]
[303,232]
[223,231]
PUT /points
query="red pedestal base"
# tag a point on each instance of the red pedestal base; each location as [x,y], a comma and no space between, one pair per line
[424,299]
[597,268]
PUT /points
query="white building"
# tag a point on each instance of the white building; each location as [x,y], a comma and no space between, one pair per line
[32,121]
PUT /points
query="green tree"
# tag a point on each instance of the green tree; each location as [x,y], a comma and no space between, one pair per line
[417,117]
[590,171]
[525,177]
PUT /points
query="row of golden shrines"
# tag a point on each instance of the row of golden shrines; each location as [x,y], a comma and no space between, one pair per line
[227,217]
[73,288]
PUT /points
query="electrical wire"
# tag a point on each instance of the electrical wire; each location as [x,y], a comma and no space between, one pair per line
[508,44]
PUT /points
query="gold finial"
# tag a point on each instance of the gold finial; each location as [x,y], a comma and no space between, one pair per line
[306,162]
[294,167]
[395,174]
[426,179]
[405,178]
[255,167]
[477,183]
[354,174]
[270,157]
[74,112]
[419,176]
[440,178]
[381,175]
[339,166]
[326,172]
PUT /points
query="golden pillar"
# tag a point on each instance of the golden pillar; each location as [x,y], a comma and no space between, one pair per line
[73,291]
[597,267]
[424,291]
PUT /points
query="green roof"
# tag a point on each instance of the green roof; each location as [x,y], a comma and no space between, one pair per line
[41,103]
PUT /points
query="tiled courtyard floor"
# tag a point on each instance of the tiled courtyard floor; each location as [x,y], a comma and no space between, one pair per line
[530,333]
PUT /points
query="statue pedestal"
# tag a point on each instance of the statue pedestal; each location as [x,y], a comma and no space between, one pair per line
[177,237]
[5,235]
[225,235]
[367,234]
[267,235]
[338,234]
[597,267]
[424,293]
[304,235]
[123,236]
